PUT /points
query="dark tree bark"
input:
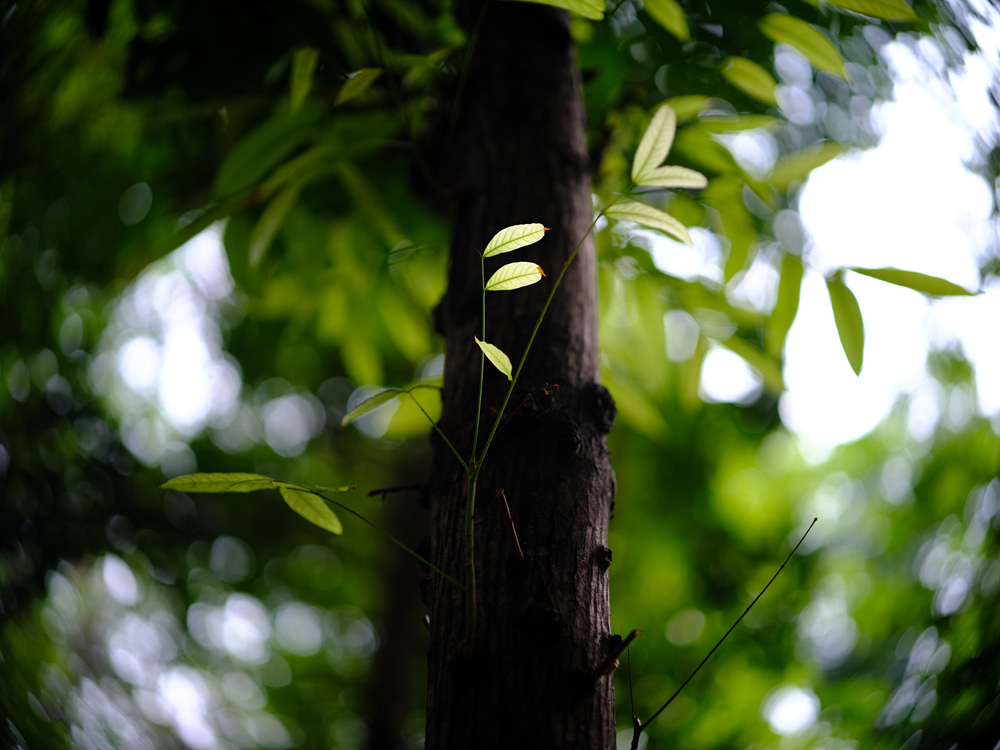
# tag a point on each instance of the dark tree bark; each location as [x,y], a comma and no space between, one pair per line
[543,623]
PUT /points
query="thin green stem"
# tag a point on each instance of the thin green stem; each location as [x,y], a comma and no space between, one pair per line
[470,562]
[438,430]
[394,540]
[482,363]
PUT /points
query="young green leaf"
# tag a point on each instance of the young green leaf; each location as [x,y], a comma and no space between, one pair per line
[673,177]
[816,48]
[670,15]
[313,508]
[750,78]
[514,276]
[930,285]
[370,404]
[649,217]
[303,66]
[514,237]
[655,143]
[850,325]
[221,482]
[500,360]
[356,84]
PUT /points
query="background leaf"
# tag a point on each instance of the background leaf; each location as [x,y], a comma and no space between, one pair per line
[593,9]
[313,508]
[651,217]
[303,66]
[750,78]
[370,404]
[655,143]
[850,325]
[514,237]
[514,276]
[767,366]
[786,306]
[887,10]
[816,48]
[796,167]
[260,151]
[270,222]
[500,360]
[356,84]
[670,15]
[919,282]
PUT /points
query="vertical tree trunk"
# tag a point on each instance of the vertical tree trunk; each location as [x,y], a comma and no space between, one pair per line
[543,623]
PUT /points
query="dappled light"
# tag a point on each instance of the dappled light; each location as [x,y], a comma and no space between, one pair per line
[228,254]
[112,612]
[791,709]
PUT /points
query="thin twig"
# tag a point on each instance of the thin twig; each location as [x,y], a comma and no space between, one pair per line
[716,646]
[511,531]
[610,664]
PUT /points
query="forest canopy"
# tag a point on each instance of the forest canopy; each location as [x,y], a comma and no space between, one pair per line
[223,226]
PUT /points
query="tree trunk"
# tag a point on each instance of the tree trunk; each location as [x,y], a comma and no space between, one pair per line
[543,626]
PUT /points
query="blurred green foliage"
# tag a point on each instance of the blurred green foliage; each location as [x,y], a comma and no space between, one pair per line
[306,137]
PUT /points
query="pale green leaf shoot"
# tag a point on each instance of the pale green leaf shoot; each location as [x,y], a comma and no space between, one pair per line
[850,325]
[650,217]
[750,78]
[809,41]
[932,286]
[356,84]
[500,360]
[514,237]
[655,143]
[313,508]
[514,276]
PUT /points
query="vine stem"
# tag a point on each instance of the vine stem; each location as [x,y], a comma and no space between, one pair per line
[470,562]
[638,726]
[482,362]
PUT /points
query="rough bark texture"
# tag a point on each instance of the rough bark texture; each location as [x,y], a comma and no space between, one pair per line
[543,623]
